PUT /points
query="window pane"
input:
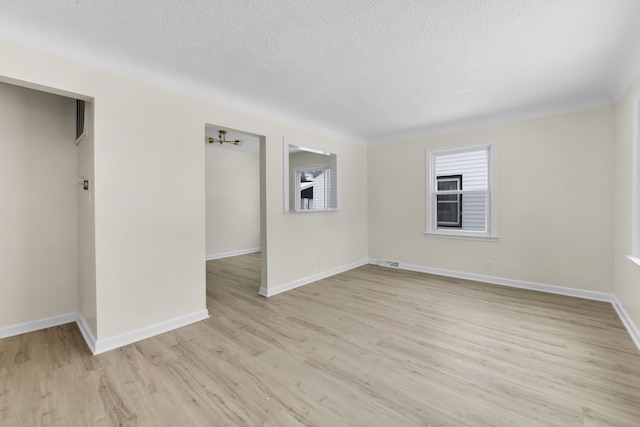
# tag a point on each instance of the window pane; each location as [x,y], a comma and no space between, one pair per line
[449,214]
[474,207]
[447,185]
[449,182]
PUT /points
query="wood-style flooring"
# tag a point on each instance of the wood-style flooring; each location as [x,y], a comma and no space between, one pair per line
[370,347]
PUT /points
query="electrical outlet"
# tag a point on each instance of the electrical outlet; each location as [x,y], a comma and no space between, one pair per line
[488,264]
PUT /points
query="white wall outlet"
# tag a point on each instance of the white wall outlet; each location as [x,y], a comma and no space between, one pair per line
[488,264]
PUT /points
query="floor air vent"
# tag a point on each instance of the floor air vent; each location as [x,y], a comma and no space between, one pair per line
[387,263]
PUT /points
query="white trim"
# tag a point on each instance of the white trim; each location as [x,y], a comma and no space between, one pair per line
[633,259]
[232,253]
[513,283]
[159,328]
[285,168]
[36,325]
[103,345]
[482,237]
[627,321]
[309,211]
[306,280]
[100,346]
[86,332]
[635,184]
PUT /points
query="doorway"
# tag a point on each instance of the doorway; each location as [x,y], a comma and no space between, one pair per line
[47,220]
[233,207]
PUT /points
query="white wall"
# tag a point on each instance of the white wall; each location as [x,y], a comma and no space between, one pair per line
[626,273]
[39,217]
[150,193]
[232,201]
[555,203]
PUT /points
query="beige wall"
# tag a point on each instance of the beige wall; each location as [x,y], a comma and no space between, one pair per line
[233,200]
[555,176]
[626,273]
[314,242]
[150,193]
[38,218]
[86,227]
[555,201]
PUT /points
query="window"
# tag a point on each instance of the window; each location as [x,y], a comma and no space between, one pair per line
[461,193]
[449,205]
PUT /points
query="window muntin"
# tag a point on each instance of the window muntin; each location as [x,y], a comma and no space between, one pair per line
[461,191]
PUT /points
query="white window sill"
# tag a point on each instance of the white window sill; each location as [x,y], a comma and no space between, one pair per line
[461,236]
[301,211]
[633,259]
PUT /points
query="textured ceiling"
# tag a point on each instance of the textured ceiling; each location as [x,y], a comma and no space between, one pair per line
[374,69]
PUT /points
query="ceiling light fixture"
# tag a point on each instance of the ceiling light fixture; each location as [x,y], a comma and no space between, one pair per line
[223,138]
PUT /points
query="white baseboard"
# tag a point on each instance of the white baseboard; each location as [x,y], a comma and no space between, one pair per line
[306,280]
[627,321]
[36,325]
[103,345]
[86,332]
[513,283]
[232,253]
[100,346]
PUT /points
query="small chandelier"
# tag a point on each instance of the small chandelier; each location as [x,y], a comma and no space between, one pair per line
[222,137]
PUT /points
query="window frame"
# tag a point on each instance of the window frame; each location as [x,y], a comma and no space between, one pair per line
[457,178]
[431,228]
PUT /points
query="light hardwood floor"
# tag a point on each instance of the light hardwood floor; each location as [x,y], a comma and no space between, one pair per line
[370,347]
